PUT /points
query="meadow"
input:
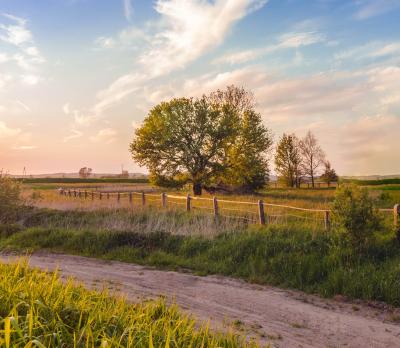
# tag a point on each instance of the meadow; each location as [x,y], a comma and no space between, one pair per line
[295,253]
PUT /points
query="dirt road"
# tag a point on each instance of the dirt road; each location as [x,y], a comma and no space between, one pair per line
[282,318]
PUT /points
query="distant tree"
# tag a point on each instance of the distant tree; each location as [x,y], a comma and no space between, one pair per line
[329,174]
[85,172]
[185,137]
[312,156]
[288,160]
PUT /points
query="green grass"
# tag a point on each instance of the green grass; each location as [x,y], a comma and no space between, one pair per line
[288,256]
[373,182]
[38,310]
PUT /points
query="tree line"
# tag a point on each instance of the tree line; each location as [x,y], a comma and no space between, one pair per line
[219,142]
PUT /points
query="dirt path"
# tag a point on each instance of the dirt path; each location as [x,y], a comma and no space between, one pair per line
[282,318]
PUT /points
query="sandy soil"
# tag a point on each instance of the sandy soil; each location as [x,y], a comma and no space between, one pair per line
[280,317]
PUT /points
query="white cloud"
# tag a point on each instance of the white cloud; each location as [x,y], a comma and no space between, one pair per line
[192,28]
[4,78]
[291,40]
[372,8]
[128,9]
[75,134]
[105,136]
[15,33]
[371,50]
[24,147]
[30,80]
[105,42]
[66,109]
[6,131]
[24,54]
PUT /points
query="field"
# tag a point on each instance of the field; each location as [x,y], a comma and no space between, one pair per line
[295,252]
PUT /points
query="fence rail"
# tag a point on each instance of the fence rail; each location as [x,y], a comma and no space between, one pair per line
[254,212]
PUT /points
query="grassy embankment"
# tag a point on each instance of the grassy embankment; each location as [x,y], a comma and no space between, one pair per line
[291,255]
[38,310]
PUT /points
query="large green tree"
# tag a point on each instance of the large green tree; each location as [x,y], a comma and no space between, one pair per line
[215,139]
[288,160]
[186,139]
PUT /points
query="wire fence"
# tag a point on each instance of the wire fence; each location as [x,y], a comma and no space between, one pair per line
[260,212]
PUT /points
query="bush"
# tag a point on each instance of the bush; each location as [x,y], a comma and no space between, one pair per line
[10,198]
[355,215]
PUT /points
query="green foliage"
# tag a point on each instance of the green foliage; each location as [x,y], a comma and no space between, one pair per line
[288,160]
[329,174]
[38,310]
[395,181]
[10,198]
[248,165]
[355,215]
[214,139]
[184,136]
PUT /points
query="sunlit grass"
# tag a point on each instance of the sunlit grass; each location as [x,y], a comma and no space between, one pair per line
[38,310]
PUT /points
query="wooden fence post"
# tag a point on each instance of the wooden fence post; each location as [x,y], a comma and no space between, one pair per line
[130,197]
[74,193]
[396,214]
[69,193]
[118,197]
[85,194]
[216,211]
[164,200]
[188,203]
[327,220]
[143,199]
[261,212]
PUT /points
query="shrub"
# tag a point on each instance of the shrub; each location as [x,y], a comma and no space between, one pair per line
[355,216]
[10,198]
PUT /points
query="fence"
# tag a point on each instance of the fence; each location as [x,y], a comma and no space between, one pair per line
[251,212]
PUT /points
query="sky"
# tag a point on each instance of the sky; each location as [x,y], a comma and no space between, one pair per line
[77,77]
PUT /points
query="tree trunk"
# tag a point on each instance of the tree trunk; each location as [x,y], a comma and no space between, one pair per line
[197,188]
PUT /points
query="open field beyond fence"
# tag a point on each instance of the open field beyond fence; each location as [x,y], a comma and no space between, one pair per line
[250,212]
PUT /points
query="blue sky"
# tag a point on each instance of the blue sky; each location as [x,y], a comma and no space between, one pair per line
[77,76]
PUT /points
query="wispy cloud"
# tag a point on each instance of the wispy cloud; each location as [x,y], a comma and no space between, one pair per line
[291,40]
[6,131]
[192,28]
[75,135]
[24,147]
[26,56]
[105,136]
[128,9]
[180,38]
[372,8]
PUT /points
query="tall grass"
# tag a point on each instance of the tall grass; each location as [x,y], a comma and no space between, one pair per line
[285,256]
[38,310]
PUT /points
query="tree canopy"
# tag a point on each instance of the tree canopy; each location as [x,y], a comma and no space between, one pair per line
[214,139]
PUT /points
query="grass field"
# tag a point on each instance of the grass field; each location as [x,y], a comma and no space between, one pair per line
[296,254]
[38,310]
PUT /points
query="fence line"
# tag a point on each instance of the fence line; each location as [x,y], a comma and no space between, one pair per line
[217,208]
